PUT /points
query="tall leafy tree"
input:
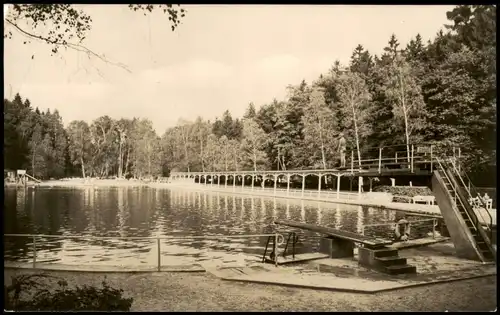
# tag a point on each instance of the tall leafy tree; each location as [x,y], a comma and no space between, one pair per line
[185,133]
[79,144]
[147,150]
[405,95]
[253,144]
[318,129]
[354,99]
[201,130]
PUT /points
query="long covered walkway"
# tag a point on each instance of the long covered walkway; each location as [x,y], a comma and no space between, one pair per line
[389,162]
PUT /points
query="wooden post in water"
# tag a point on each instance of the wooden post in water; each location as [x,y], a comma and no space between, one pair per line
[275,183]
[211,180]
[225,180]
[287,184]
[412,156]
[380,160]
[360,186]
[34,252]
[303,184]
[276,249]
[159,253]
[243,182]
[338,186]
[319,184]
[253,179]
[234,182]
[352,161]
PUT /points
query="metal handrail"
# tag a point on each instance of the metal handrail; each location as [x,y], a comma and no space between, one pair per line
[477,225]
[187,237]
[292,191]
[456,193]
[279,239]
[393,223]
[354,163]
[470,184]
[425,143]
[470,194]
[434,224]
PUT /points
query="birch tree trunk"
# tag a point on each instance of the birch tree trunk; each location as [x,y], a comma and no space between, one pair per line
[405,114]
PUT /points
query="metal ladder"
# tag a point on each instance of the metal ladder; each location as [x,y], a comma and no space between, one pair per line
[449,172]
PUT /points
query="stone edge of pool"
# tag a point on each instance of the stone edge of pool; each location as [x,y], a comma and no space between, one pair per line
[353,286]
[270,277]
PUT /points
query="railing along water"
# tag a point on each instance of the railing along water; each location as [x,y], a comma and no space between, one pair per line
[374,157]
[393,225]
[440,164]
[470,189]
[278,240]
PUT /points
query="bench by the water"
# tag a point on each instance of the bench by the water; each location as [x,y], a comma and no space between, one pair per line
[374,253]
[430,200]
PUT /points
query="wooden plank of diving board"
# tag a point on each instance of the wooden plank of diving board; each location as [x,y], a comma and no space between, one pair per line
[354,237]
[298,258]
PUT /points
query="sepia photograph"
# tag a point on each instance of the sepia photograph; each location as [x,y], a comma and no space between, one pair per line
[249,158]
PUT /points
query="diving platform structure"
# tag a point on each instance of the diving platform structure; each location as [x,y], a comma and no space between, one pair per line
[471,229]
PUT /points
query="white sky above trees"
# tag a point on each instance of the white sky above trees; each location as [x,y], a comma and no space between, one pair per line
[221,57]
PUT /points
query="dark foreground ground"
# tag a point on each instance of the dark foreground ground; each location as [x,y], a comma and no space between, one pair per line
[204,292]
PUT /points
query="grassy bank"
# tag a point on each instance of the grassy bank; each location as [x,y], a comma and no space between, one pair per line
[204,292]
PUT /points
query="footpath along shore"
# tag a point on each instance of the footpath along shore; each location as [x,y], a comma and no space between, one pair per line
[378,200]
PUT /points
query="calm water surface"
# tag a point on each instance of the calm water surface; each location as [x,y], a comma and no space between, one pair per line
[148,212]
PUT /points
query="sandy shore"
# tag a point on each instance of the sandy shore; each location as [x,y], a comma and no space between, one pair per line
[205,292]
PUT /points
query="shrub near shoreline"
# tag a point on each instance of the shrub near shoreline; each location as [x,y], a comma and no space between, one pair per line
[30,292]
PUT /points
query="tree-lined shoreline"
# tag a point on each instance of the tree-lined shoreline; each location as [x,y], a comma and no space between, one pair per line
[443,90]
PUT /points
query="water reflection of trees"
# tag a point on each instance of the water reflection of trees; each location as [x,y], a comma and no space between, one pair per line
[146,211]
[17,220]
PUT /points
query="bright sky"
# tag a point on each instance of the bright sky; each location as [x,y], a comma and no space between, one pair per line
[221,57]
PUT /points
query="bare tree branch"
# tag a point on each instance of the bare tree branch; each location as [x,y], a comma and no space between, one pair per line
[76,47]
[66,23]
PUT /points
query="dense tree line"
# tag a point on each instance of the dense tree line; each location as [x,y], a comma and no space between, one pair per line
[443,90]
[38,142]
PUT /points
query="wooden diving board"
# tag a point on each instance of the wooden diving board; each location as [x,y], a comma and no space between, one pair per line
[344,235]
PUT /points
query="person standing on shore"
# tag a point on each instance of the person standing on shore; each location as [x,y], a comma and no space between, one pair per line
[342,149]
